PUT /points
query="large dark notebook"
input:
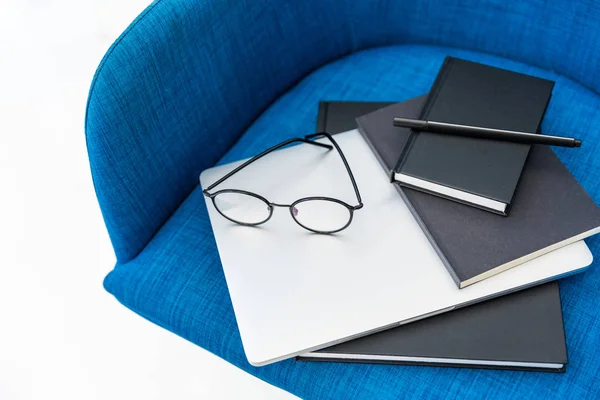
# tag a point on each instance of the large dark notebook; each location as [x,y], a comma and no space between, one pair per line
[550,210]
[522,330]
[478,172]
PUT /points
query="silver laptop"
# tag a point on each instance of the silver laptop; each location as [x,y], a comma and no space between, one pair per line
[294,291]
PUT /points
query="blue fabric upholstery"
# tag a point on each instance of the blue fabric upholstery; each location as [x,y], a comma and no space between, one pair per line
[194,83]
[189,76]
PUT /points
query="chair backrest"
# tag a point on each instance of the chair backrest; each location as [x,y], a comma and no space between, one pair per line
[187,77]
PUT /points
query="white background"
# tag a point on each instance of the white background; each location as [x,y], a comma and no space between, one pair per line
[61,335]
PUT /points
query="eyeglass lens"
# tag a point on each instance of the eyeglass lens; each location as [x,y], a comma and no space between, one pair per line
[242,208]
[321,215]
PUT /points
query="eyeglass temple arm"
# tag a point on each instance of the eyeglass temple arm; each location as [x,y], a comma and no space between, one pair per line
[354,185]
[264,153]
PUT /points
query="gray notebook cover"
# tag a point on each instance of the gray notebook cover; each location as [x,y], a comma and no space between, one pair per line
[549,208]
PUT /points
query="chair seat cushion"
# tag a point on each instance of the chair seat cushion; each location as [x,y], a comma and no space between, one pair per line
[177,281]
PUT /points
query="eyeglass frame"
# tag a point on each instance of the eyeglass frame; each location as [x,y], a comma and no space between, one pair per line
[305,139]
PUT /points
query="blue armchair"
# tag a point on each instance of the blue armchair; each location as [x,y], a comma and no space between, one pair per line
[193,83]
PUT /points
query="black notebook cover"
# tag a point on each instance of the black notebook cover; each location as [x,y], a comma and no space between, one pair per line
[550,209]
[479,172]
[506,333]
[523,331]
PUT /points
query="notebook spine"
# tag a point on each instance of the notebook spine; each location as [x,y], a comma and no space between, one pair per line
[365,136]
[433,93]
[427,233]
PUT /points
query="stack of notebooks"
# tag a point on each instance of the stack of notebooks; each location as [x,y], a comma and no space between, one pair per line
[449,262]
[484,205]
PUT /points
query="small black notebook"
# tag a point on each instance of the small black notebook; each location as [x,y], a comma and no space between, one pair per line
[550,210]
[522,330]
[478,172]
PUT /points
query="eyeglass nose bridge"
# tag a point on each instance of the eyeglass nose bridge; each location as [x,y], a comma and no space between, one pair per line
[293,210]
[280,205]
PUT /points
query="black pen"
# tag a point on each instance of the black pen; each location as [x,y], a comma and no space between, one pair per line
[485,133]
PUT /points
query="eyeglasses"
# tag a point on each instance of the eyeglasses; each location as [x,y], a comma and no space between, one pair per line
[316,214]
